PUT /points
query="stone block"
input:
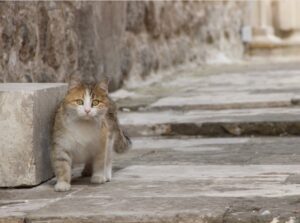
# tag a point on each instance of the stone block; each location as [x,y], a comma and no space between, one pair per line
[26,119]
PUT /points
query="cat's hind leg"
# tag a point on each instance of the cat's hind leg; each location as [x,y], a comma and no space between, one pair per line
[108,166]
[109,158]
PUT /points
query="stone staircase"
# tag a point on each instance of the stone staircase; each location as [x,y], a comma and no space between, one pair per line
[240,101]
[208,146]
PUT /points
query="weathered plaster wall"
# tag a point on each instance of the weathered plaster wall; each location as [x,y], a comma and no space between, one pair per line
[50,41]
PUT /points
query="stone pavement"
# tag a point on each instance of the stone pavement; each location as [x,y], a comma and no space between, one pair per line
[187,177]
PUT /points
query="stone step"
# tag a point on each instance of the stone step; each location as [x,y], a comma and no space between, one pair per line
[214,101]
[176,180]
[217,87]
[231,122]
[211,151]
[262,49]
[225,100]
[229,100]
[26,120]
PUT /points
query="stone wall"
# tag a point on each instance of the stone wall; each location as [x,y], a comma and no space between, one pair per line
[51,41]
[162,34]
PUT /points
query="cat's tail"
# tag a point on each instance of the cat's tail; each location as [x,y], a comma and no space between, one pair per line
[122,142]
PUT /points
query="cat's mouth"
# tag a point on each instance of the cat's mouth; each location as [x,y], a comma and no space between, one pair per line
[87,117]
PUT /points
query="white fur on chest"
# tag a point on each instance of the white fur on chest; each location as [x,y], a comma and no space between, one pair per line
[84,133]
[81,139]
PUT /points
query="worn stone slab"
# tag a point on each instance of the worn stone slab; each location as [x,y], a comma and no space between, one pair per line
[222,180]
[26,118]
[217,87]
[169,210]
[189,193]
[130,209]
[211,151]
[234,122]
[168,180]
[231,115]
[15,204]
[219,100]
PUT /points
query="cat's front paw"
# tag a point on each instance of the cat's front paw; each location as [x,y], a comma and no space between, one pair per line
[98,179]
[62,186]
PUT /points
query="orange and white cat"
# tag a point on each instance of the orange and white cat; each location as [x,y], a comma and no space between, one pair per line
[86,130]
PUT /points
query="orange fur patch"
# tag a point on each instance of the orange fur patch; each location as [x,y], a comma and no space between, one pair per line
[74,94]
[79,91]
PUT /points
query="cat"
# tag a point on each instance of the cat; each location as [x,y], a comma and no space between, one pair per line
[86,130]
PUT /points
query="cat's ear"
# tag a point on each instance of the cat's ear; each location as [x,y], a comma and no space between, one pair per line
[103,84]
[74,81]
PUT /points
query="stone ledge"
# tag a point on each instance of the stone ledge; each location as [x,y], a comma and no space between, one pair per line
[232,122]
[26,116]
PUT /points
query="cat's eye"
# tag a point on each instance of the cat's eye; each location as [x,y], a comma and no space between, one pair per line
[95,102]
[79,102]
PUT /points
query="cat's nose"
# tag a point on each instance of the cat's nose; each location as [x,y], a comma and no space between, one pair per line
[87,110]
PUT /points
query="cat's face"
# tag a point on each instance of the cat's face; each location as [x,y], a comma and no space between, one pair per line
[87,102]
